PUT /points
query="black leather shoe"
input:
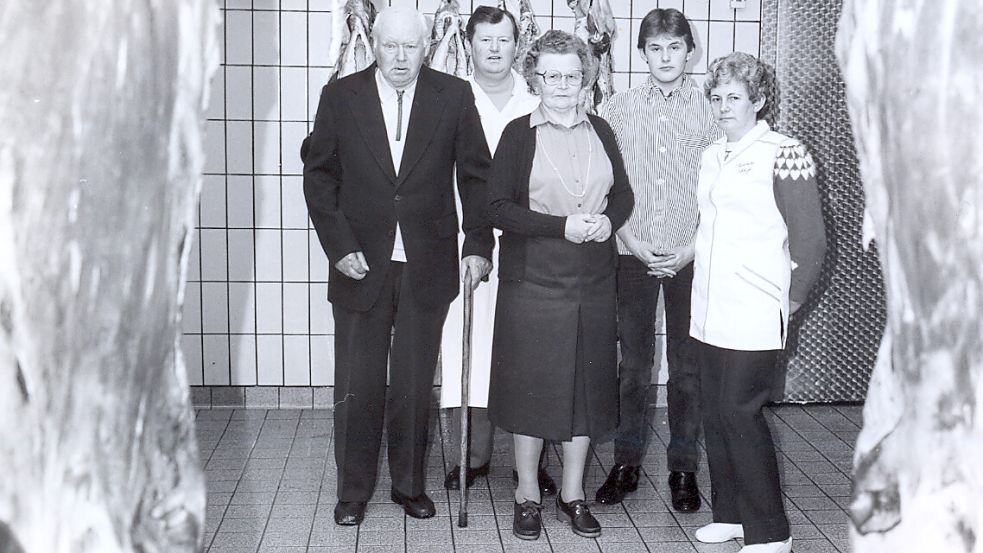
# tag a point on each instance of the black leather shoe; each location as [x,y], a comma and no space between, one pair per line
[453,479]
[420,506]
[577,513]
[685,493]
[527,520]
[546,484]
[349,513]
[621,480]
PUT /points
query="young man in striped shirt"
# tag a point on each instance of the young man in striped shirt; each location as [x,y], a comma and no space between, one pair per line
[662,128]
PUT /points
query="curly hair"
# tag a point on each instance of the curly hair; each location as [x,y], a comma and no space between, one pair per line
[557,42]
[756,76]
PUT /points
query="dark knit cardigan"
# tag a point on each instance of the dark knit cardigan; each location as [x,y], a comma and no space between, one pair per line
[508,194]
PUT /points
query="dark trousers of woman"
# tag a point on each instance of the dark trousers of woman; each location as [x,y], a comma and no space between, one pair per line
[743,466]
[638,298]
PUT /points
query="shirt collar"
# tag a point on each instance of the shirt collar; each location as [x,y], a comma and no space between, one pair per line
[520,89]
[539,116]
[685,88]
[386,90]
[759,129]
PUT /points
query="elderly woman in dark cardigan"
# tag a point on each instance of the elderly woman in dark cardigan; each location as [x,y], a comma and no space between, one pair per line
[558,190]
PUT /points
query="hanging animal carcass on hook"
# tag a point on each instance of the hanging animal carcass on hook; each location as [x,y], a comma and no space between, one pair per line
[448,52]
[529,30]
[596,26]
[350,47]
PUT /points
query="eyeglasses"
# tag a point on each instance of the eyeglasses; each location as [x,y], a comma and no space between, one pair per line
[553,78]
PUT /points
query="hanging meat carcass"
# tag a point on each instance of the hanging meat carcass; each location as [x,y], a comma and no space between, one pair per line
[529,30]
[350,45]
[595,25]
[448,52]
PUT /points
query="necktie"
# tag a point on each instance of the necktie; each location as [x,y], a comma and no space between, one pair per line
[399,114]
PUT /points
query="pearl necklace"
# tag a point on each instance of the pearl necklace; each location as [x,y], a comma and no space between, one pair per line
[590,151]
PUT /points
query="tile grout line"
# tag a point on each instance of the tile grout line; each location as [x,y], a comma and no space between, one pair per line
[282,473]
[324,472]
[818,485]
[238,481]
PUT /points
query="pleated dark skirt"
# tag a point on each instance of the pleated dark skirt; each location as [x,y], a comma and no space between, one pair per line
[554,360]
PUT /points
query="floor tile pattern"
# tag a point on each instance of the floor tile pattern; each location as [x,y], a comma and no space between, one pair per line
[271,489]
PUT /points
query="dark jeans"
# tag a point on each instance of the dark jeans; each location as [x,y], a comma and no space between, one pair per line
[743,467]
[638,296]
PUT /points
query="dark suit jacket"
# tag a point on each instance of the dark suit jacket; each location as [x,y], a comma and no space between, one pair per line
[355,197]
[508,194]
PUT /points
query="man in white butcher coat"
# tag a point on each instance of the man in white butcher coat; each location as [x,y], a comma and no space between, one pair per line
[500,95]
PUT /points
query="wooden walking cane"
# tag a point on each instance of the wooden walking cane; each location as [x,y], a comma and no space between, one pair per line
[462,515]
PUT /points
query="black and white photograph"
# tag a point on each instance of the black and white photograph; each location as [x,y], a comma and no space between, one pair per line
[491,276]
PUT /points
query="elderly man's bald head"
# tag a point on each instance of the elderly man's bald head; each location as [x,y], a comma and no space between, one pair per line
[400,16]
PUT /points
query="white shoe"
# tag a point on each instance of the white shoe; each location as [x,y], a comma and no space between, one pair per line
[770,547]
[719,532]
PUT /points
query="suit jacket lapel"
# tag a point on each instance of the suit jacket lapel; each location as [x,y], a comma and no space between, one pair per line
[367,109]
[424,119]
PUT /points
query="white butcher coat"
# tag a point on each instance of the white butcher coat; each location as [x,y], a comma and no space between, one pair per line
[493,122]
[742,270]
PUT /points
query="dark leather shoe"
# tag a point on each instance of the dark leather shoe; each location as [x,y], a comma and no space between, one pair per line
[577,513]
[685,493]
[349,513]
[527,520]
[621,480]
[420,506]
[453,479]
[546,484]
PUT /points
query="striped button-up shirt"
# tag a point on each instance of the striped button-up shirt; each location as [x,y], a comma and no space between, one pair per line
[661,138]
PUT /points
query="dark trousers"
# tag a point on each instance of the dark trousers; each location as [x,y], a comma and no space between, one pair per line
[482,434]
[362,348]
[743,465]
[638,297]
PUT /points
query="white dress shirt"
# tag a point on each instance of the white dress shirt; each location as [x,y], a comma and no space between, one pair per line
[389,99]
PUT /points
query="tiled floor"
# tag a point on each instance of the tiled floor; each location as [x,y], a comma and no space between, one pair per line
[271,488]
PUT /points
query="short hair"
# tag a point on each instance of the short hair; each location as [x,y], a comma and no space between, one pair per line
[401,12]
[491,15]
[556,42]
[665,21]
[756,76]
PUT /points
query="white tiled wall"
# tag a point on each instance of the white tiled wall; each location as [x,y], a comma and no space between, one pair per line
[256,311]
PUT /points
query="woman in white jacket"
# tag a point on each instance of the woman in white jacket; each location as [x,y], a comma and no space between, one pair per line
[759,248]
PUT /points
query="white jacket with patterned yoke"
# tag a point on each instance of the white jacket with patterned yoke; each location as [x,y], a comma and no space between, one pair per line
[759,241]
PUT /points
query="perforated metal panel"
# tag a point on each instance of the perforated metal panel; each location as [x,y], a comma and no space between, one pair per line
[833,345]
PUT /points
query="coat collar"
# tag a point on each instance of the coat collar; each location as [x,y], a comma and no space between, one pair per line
[759,129]
[424,117]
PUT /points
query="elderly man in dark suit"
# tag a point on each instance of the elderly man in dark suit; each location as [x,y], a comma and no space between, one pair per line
[379,177]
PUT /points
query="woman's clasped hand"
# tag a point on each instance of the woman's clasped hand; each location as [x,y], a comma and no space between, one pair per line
[587,227]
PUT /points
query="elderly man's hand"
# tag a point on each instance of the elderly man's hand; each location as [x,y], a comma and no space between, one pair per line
[353,266]
[479,266]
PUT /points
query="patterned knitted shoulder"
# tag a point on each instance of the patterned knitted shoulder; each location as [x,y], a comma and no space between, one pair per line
[793,161]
